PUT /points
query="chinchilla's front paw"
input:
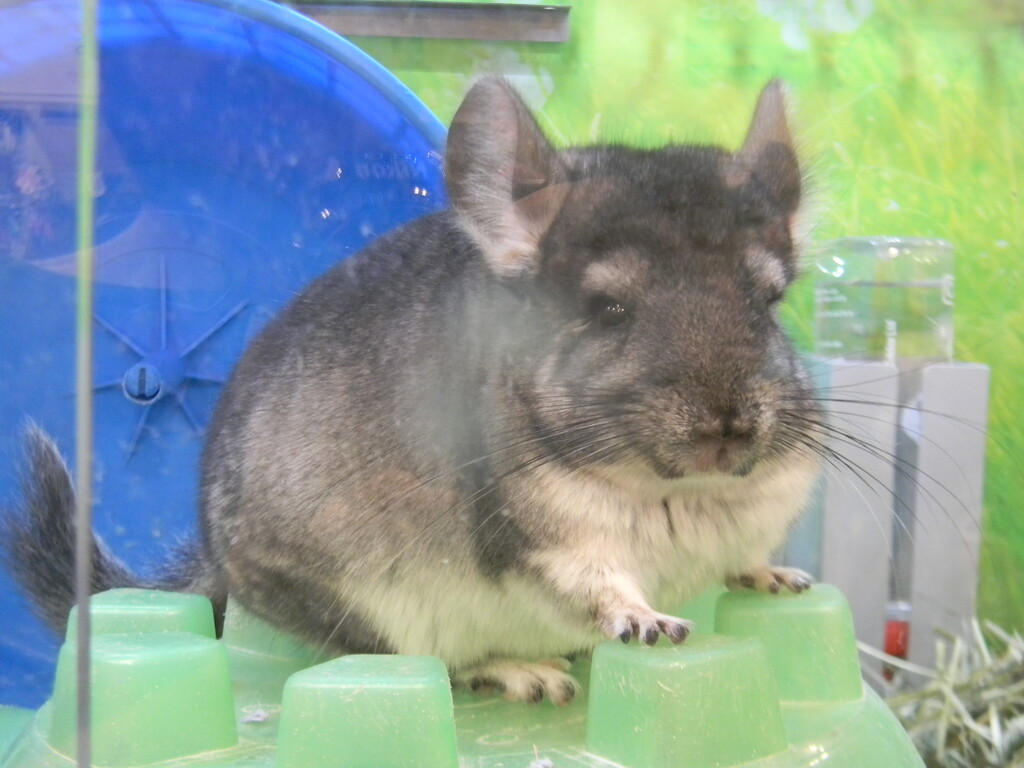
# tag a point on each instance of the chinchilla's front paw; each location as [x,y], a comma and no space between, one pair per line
[636,621]
[531,681]
[771,579]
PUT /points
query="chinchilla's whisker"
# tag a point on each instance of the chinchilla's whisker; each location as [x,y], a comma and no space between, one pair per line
[488,488]
[844,466]
[513,439]
[851,419]
[897,405]
[506,453]
[901,467]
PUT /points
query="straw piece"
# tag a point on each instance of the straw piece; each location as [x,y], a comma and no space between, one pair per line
[969,711]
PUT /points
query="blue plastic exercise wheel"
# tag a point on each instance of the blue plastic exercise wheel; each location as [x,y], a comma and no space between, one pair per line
[242,150]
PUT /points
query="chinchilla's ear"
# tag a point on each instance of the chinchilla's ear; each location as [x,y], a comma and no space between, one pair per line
[768,154]
[505,180]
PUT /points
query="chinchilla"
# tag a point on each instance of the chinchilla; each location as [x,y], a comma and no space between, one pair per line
[511,429]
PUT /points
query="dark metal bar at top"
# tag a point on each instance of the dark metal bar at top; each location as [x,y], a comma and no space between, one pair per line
[451,20]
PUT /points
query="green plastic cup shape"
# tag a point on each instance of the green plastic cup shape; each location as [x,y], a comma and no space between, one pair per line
[366,711]
[125,611]
[155,697]
[248,633]
[709,703]
[809,639]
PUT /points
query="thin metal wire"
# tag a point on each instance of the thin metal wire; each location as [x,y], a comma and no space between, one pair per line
[89,98]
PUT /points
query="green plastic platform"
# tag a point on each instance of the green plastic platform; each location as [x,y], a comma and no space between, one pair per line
[777,686]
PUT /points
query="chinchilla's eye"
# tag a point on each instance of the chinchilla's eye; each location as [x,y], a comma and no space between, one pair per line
[609,312]
[775,295]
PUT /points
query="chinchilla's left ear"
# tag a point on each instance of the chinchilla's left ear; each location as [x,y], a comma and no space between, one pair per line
[505,180]
[768,154]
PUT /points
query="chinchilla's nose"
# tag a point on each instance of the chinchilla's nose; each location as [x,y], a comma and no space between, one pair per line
[721,442]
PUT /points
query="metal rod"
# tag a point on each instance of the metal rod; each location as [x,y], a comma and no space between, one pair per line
[89,97]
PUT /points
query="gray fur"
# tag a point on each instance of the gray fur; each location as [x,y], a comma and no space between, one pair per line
[508,429]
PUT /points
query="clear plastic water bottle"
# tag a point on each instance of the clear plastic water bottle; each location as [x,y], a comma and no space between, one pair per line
[883,298]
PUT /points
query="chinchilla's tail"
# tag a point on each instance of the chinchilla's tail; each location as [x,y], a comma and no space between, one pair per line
[38,542]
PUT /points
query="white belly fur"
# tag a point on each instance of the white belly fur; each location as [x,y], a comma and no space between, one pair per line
[721,526]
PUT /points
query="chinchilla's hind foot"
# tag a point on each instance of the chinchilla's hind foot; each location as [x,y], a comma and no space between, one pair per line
[772,579]
[531,681]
